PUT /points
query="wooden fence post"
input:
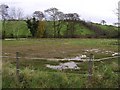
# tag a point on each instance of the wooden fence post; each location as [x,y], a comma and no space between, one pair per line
[17,65]
[90,69]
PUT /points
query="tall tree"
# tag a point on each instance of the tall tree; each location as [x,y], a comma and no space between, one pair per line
[53,12]
[4,11]
[71,20]
[117,13]
[16,13]
[20,13]
[32,24]
[41,23]
[38,15]
[103,22]
[60,18]
[41,29]
[4,15]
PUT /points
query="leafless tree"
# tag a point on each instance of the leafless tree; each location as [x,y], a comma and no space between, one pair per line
[4,15]
[20,13]
[71,16]
[103,22]
[38,15]
[71,20]
[4,11]
[16,13]
[12,13]
[53,12]
[117,13]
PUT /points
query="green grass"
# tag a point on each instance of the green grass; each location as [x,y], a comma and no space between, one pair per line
[35,74]
[62,48]
[106,27]
[19,29]
[82,30]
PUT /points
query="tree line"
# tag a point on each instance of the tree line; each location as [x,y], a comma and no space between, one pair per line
[40,23]
[57,19]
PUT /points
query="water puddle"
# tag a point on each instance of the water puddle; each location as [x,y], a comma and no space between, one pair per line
[116,54]
[61,66]
[9,39]
[77,58]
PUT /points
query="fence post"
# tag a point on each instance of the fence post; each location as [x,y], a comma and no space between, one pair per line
[90,69]
[17,65]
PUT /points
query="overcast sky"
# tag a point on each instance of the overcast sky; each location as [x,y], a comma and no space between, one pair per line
[89,10]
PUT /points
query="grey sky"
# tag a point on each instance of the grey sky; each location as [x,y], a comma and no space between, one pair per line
[89,10]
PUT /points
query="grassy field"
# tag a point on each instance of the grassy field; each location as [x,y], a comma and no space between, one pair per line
[35,74]
[61,48]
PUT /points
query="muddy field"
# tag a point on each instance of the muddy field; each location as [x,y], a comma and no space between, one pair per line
[60,62]
[60,48]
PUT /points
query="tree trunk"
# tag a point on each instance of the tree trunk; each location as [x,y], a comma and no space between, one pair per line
[3,29]
[54,29]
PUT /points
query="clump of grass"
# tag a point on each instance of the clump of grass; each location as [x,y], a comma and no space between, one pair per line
[8,75]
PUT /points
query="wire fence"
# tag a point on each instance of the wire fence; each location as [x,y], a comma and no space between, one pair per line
[18,59]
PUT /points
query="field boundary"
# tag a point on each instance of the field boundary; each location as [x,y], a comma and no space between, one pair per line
[54,59]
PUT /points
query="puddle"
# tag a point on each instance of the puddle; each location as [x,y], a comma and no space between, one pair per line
[61,66]
[98,51]
[116,54]
[92,50]
[77,58]
[9,39]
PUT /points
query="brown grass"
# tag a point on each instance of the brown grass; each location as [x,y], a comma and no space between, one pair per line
[50,48]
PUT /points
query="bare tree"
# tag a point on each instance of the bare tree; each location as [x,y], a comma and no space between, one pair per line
[71,20]
[4,15]
[103,22]
[4,11]
[71,16]
[20,13]
[12,13]
[38,15]
[16,13]
[117,13]
[53,12]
